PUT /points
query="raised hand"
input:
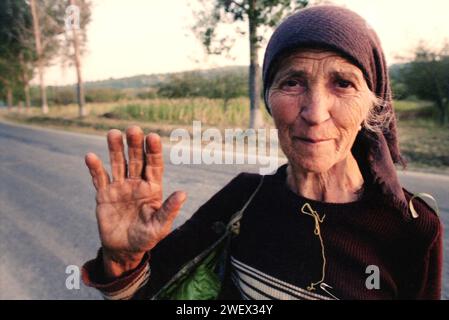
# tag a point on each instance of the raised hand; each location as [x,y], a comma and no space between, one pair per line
[132,217]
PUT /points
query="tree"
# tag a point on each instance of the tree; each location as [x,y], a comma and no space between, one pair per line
[47,28]
[258,14]
[427,76]
[16,49]
[8,77]
[223,85]
[76,37]
[40,58]
[7,72]
[27,53]
[53,39]
[30,39]
[227,86]
[184,85]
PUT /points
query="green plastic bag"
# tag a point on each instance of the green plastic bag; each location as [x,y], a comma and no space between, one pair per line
[201,278]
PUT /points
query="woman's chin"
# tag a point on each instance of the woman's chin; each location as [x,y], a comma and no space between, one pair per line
[313,164]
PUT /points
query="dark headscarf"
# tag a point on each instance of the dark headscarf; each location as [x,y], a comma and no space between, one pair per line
[345,32]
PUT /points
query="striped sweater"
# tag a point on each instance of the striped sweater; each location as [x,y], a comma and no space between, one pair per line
[290,247]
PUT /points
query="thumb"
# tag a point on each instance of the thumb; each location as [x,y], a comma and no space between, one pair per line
[170,208]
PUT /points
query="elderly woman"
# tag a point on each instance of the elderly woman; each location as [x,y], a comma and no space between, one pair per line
[323,226]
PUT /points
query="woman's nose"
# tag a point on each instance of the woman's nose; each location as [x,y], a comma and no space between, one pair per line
[316,105]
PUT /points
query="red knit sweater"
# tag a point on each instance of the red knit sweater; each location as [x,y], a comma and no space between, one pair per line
[290,247]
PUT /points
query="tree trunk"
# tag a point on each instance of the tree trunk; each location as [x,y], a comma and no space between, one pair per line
[25,82]
[26,88]
[445,115]
[9,97]
[79,86]
[40,62]
[255,117]
[443,111]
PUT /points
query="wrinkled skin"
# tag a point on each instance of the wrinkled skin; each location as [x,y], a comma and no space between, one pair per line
[132,217]
[318,101]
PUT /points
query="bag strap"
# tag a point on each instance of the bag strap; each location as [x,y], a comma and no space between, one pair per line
[233,224]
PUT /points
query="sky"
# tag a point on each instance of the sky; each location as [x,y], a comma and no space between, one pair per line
[132,37]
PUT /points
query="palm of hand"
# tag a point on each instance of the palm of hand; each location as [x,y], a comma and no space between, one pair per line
[131,216]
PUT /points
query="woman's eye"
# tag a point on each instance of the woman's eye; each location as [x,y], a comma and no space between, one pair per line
[293,85]
[344,84]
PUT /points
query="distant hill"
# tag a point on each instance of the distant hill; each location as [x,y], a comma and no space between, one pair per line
[145,81]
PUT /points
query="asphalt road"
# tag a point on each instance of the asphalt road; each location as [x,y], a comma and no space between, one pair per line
[47,219]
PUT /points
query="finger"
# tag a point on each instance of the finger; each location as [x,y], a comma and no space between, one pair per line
[134,138]
[154,167]
[99,174]
[116,155]
[170,208]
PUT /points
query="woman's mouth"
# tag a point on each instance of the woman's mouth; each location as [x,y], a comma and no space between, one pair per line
[311,141]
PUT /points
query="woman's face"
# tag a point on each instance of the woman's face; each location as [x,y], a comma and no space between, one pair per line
[318,101]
